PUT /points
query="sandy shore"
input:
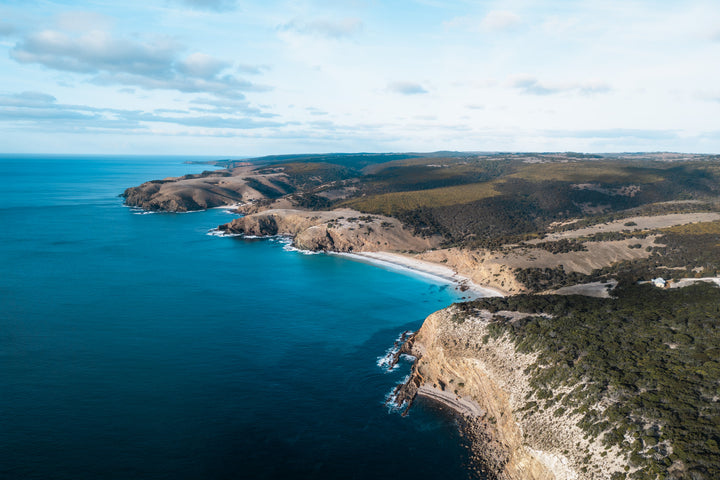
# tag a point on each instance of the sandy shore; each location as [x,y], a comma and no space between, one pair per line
[407,264]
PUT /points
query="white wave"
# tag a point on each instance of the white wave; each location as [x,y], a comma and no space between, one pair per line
[288,247]
[391,398]
[216,232]
[386,362]
[139,211]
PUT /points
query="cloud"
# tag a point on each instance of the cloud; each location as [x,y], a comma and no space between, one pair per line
[36,108]
[94,52]
[228,106]
[712,96]
[615,133]
[252,69]
[79,21]
[27,99]
[342,28]
[201,65]
[150,65]
[212,5]
[208,121]
[494,21]
[497,20]
[407,88]
[315,111]
[531,85]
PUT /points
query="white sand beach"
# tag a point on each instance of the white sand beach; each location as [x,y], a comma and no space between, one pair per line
[400,262]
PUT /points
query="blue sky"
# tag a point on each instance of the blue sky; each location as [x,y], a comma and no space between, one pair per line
[235,77]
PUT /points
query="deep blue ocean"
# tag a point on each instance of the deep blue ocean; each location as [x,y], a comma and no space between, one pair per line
[137,346]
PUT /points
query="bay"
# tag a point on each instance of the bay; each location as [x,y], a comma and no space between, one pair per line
[138,346]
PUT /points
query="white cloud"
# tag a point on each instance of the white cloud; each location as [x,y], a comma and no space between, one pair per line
[36,108]
[95,51]
[331,28]
[155,64]
[252,69]
[531,85]
[201,65]
[407,88]
[500,20]
[494,21]
[79,21]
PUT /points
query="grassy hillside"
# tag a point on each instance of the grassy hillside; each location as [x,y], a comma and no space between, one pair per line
[643,367]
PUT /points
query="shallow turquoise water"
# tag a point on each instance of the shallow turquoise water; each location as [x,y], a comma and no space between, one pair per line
[137,346]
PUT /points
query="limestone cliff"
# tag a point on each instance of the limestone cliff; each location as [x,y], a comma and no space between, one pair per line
[460,365]
[341,230]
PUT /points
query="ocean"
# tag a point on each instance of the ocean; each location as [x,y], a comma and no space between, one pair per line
[138,346]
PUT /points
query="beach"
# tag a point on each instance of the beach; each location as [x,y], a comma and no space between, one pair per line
[408,264]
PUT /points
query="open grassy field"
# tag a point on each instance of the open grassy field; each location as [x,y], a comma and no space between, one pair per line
[396,202]
[702,228]
[587,172]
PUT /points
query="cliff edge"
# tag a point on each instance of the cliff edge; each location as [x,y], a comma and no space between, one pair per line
[341,230]
[483,379]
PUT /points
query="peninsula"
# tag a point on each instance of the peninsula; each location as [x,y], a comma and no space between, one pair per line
[600,360]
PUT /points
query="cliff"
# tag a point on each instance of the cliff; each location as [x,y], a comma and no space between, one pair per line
[341,230]
[483,379]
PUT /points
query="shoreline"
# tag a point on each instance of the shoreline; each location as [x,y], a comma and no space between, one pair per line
[423,268]
[484,389]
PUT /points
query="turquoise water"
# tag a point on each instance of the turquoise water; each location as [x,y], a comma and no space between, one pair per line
[139,347]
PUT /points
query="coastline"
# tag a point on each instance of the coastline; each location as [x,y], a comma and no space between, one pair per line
[486,386]
[442,273]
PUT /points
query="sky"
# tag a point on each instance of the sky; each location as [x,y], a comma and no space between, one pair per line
[250,78]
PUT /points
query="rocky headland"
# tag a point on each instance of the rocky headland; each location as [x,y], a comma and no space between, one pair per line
[458,364]
[209,189]
[341,230]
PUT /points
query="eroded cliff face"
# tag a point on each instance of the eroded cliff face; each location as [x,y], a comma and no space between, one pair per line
[483,378]
[341,230]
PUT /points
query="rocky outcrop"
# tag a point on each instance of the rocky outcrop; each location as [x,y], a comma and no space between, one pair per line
[341,230]
[460,365]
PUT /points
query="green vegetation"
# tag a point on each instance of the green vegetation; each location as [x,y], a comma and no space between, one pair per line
[701,228]
[266,190]
[541,279]
[562,246]
[306,175]
[644,367]
[400,202]
[485,200]
[600,172]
